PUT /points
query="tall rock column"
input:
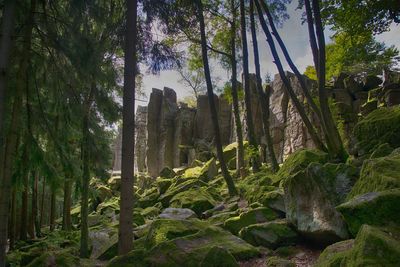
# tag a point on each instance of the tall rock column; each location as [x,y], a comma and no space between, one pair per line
[141,138]
[153,132]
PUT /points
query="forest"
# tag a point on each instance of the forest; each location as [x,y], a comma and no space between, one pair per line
[254,159]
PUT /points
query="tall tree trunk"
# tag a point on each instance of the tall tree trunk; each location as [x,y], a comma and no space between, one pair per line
[35,220]
[291,64]
[261,94]
[23,231]
[42,202]
[247,95]
[125,233]
[334,140]
[213,109]
[311,130]
[311,34]
[52,211]
[5,51]
[31,222]
[13,219]
[84,248]
[235,99]
[12,135]
[66,220]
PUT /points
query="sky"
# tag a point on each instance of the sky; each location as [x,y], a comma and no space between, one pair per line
[293,33]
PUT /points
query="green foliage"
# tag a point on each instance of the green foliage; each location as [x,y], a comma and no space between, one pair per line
[358,53]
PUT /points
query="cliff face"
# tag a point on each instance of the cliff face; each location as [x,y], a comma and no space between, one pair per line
[170,134]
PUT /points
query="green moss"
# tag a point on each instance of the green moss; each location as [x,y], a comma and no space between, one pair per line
[382,150]
[375,247]
[111,204]
[150,212]
[218,219]
[167,172]
[275,261]
[378,174]
[163,184]
[61,258]
[379,127]
[198,200]
[333,255]
[189,250]
[219,257]
[259,215]
[179,186]
[164,229]
[299,160]
[270,234]
[375,208]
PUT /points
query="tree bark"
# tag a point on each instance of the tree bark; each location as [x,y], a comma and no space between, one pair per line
[66,220]
[313,134]
[23,231]
[13,219]
[52,211]
[311,33]
[125,231]
[12,135]
[261,94]
[35,220]
[247,96]
[42,202]
[235,99]
[293,67]
[334,140]
[84,248]
[213,109]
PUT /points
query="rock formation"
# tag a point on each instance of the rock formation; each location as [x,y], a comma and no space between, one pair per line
[171,134]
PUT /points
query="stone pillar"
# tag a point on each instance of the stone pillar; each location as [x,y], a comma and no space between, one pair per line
[141,138]
[225,115]
[153,132]
[183,135]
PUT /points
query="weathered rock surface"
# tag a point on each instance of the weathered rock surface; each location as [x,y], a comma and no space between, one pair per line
[269,234]
[374,208]
[310,207]
[177,214]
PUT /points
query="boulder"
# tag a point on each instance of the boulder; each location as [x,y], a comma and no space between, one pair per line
[374,208]
[163,184]
[141,138]
[219,257]
[379,127]
[258,215]
[378,174]
[167,172]
[310,207]
[274,200]
[150,212]
[272,234]
[300,160]
[178,186]
[372,247]
[196,199]
[189,250]
[177,214]
[334,254]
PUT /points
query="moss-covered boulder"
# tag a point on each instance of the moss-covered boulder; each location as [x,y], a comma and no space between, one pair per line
[219,257]
[372,247]
[382,150]
[333,255]
[59,258]
[275,261]
[378,174]
[178,186]
[274,200]
[167,172]
[177,214]
[375,208]
[218,219]
[379,127]
[299,160]
[198,200]
[149,198]
[165,229]
[310,207]
[254,216]
[189,250]
[150,212]
[114,182]
[270,234]
[163,184]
